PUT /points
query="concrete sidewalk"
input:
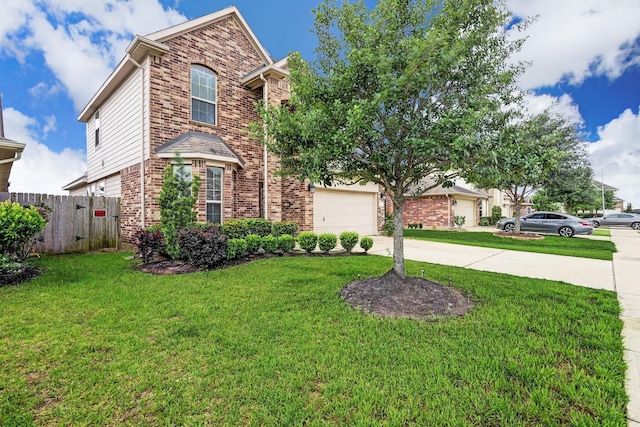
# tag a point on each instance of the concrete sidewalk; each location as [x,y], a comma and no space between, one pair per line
[622,275]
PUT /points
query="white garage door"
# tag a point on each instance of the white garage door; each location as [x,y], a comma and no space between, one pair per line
[336,211]
[466,208]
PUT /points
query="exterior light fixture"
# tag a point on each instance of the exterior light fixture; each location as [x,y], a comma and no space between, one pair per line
[312,188]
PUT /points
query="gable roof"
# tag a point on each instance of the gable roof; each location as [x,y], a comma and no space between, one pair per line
[197,145]
[153,44]
[455,190]
[607,187]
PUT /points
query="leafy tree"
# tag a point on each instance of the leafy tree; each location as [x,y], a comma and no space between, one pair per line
[542,202]
[571,184]
[177,200]
[629,208]
[594,202]
[524,154]
[397,93]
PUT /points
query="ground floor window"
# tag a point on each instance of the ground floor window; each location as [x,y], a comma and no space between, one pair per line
[214,195]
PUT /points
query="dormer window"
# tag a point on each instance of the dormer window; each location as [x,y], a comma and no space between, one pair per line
[203,95]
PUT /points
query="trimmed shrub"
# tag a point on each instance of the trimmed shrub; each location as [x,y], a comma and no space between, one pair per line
[236,248]
[308,240]
[486,221]
[18,229]
[327,241]
[284,227]
[496,214]
[459,220]
[254,243]
[149,243]
[202,245]
[286,243]
[270,243]
[349,240]
[387,227]
[259,226]
[366,243]
[235,229]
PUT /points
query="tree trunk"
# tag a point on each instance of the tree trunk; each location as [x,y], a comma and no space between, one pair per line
[398,239]
[517,204]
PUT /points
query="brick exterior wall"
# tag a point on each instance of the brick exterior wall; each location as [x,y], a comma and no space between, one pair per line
[429,211]
[223,48]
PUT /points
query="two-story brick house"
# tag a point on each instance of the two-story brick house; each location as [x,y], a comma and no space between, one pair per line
[193,88]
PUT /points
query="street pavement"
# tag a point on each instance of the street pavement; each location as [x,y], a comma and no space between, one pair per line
[622,275]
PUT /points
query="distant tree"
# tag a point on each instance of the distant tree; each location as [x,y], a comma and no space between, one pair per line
[524,154]
[397,93]
[571,184]
[542,202]
[594,203]
[629,208]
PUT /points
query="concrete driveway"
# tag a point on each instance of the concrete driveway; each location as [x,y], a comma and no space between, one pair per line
[622,275]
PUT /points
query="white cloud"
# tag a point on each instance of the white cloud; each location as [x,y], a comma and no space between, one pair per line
[81,40]
[563,105]
[40,170]
[618,153]
[575,39]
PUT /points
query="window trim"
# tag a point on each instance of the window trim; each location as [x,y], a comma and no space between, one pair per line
[208,201]
[203,100]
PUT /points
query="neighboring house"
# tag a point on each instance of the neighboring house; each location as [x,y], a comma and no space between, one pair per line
[193,88]
[437,207]
[10,151]
[619,202]
[500,198]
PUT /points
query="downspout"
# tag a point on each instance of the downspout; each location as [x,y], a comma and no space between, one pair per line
[448,211]
[13,159]
[265,96]
[142,199]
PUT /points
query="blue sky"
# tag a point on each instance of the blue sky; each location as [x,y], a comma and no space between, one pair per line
[54,54]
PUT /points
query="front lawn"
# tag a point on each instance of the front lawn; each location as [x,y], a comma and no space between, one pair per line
[555,245]
[94,342]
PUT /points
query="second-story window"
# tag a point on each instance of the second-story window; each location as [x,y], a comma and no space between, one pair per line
[96,118]
[203,94]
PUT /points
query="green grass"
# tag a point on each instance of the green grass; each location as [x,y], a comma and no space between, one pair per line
[93,342]
[555,245]
[601,232]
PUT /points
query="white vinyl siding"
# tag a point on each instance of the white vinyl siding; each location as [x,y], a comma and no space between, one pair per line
[113,186]
[335,211]
[120,130]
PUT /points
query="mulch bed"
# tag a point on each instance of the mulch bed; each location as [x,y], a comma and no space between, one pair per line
[413,297]
[18,275]
[520,236]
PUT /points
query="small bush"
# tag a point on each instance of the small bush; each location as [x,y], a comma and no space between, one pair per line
[459,220]
[270,243]
[149,243]
[259,226]
[496,214]
[202,245]
[349,240]
[254,243]
[327,241]
[387,227]
[308,240]
[366,243]
[236,248]
[284,227]
[286,243]
[486,221]
[235,229]
[18,229]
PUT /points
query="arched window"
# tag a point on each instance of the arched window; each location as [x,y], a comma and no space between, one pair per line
[203,94]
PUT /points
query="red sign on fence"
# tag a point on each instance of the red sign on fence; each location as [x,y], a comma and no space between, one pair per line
[100,212]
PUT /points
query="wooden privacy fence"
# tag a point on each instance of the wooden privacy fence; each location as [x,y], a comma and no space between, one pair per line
[77,223]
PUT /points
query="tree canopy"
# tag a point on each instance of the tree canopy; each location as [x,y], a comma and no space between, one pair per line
[397,93]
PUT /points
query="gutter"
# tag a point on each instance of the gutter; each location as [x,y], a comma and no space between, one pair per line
[13,159]
[265,95]
[142,188]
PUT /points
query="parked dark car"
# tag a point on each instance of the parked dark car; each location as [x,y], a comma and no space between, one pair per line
[548,222]
[623,219]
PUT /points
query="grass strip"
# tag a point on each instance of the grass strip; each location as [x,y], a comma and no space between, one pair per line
[554,245]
